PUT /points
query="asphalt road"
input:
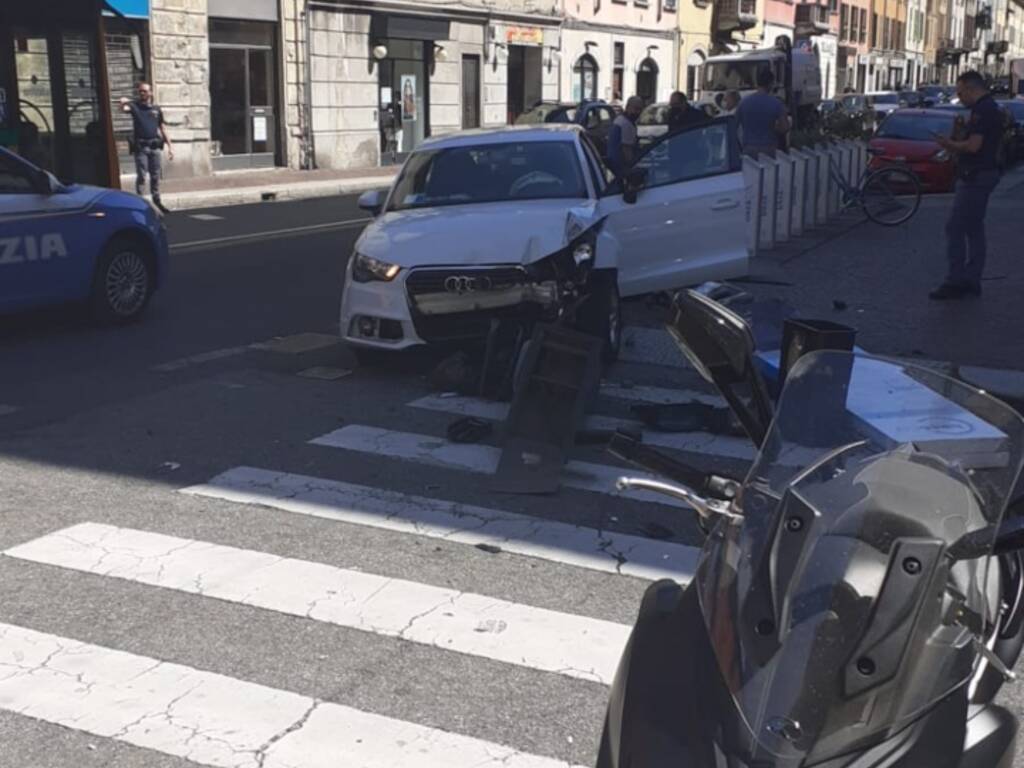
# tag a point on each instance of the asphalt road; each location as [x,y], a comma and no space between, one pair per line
[223,554]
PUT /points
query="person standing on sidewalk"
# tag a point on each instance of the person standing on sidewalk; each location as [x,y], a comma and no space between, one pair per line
[977,176]
[622,138]
[763,119]
[148,139]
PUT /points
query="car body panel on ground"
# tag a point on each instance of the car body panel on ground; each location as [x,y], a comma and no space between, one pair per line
[52,236]
[473,218]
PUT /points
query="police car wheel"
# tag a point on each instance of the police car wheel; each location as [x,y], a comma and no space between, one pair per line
[123,282]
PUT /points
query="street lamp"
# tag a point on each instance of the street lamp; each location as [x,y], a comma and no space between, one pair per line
[380,52]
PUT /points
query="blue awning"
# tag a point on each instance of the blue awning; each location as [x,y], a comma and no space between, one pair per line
[138,9]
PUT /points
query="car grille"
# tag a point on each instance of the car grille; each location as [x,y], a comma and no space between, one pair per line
[459,303]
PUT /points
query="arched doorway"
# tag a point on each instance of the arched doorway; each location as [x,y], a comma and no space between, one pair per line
[647,81]
[694,65]
[584,78]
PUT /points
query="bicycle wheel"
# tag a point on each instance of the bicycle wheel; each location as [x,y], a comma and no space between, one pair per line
[890,196]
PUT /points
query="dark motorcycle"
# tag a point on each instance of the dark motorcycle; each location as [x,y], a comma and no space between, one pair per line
[857,603]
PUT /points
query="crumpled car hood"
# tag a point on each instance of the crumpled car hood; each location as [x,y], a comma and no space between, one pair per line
[484,233]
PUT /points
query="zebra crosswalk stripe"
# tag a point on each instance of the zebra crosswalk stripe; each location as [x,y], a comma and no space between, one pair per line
[477,625]
[218,721]
[574,545]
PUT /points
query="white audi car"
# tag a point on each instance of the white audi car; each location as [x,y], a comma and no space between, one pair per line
[491,222]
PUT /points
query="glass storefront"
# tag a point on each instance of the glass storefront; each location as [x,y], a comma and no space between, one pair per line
[243,94]
[404,87]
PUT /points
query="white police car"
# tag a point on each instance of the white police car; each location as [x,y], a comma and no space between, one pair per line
[72,243]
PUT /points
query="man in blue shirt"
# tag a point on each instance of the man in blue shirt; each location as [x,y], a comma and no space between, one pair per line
[977,176]
[622,138]
[762,117]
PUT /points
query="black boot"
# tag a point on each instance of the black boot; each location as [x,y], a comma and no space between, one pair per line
[953,291]
[159,204]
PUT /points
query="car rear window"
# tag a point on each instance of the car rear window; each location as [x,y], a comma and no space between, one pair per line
[547,113]
[489,173]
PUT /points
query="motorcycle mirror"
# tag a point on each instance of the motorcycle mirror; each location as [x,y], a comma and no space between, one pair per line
[720,345]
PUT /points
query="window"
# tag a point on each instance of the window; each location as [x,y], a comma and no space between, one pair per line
[692,154]
[833,6]
[844,20]
[584,78]
[618,71]
[489,173]
[14,179]
[854,25]
[864,25]
[601,173]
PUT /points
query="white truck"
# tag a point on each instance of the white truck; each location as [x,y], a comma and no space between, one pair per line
[797,78]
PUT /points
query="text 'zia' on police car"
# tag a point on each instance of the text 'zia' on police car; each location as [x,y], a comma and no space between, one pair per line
[74,243]
[528,222]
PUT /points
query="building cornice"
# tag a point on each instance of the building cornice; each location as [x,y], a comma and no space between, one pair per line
[454,11]
[590,26]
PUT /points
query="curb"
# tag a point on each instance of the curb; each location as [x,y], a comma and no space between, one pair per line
[215,198]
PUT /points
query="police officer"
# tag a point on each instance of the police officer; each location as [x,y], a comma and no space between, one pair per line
[148,140]
[977,176]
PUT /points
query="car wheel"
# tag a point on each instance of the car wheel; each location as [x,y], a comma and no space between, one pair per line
[601,314]
[123,282]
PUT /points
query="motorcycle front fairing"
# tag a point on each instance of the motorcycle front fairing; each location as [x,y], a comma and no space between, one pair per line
[830,625]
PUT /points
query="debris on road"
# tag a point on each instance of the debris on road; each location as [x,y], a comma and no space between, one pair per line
[469,429]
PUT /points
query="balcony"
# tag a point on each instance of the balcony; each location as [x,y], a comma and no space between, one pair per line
[735,15]
[811,20]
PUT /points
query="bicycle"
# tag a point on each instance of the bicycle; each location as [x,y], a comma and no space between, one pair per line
[888,196]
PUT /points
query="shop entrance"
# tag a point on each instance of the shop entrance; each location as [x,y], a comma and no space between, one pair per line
[243,94]
[404,101]
[525,79]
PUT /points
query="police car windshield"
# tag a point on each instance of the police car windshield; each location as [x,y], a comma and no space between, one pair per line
[489,173]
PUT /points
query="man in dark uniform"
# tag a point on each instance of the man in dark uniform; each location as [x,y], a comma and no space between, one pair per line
[977,176]
[148,139]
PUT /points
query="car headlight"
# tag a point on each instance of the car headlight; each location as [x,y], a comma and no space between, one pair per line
[941,156]
[366,269]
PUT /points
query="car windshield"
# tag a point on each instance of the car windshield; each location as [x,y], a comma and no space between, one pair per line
[489,173]
[853,102]
[547,113]
[655,114]
[885,98]
[915,127]
[732,75]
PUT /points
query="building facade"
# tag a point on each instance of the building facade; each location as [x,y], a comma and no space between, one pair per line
[853,55]
[614,49]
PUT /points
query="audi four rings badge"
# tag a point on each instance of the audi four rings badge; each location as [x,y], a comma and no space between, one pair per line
[467,284]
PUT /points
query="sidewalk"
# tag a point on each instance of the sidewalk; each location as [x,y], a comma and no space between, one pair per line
[877,280]
[242,187]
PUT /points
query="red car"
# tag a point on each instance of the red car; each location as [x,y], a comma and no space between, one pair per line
[905,138]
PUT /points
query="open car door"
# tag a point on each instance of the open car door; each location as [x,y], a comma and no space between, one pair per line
[685,222]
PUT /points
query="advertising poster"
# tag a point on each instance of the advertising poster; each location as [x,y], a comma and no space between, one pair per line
[408,84]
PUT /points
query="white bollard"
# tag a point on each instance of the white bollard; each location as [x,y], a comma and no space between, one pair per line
[824,185]
[834,190]
[753,177]
[796,208]
[769,187]
[811,196]
[783,197]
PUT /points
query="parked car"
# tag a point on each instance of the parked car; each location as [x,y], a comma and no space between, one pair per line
[882,103]
[492,222]
[934,95]
[652,123]
[64,243]
[596,117]
[905,138]
[1015,108]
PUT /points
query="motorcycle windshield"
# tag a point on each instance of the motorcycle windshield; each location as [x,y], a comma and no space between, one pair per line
[845,600]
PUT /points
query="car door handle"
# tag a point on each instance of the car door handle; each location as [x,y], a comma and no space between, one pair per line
[725,204]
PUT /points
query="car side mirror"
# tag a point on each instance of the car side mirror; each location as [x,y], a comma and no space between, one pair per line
[372,201]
